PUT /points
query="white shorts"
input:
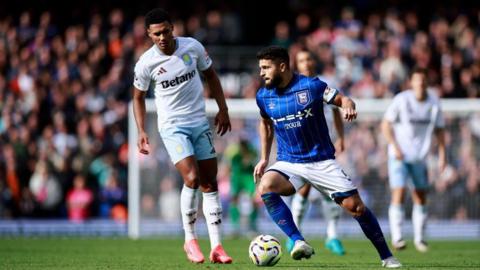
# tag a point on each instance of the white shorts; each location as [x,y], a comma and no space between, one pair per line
[326,176]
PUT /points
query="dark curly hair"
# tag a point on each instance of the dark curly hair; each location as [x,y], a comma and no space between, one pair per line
[275,53]
[156,16]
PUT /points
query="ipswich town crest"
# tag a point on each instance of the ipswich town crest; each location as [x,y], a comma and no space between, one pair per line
[303,97]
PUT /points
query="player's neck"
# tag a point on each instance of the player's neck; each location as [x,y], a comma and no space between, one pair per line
[171,48]
[420,95]
[286,80]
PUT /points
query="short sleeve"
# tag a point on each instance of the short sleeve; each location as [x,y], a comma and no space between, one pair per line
[204,61]
[393,111]
[323,91]
[261,107]
[141,79]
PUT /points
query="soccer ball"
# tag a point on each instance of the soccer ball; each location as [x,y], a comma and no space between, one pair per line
[265,250]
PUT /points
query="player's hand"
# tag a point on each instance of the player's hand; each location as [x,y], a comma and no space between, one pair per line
[349,113]
[340,145]
[143,144]
[398,153]
[222,122]
[259,170]
[442,164]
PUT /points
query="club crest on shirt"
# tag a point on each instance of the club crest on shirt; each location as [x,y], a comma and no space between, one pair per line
[186,59]
[303,97]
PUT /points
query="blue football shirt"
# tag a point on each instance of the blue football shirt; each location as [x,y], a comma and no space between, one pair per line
[299,122]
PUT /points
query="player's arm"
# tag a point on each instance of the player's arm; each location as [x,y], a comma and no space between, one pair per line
[139,112]
[387,130]
[222,120]
[265,130]
[442,152]
[391,116]
[338,123]
[347,104]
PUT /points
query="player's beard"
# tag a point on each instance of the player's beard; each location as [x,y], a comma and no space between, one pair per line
[274,82]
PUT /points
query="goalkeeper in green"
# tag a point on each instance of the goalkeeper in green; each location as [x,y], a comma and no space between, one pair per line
[242,158]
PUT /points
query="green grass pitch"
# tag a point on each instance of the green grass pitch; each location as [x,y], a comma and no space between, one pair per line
[163,254]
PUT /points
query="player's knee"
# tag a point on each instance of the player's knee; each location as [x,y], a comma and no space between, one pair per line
[398,196]
[210,186]
[266,186]
[191,179]
[357,209]
[354,207]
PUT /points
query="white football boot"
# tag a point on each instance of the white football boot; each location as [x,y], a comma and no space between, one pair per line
[301,250]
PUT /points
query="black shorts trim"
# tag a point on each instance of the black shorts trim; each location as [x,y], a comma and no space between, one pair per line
[343,195]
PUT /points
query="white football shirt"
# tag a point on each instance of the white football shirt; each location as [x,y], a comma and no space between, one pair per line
[177,84]
[413,123]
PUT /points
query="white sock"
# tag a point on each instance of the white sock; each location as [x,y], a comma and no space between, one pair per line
[331,212]
[189,208]
[419,220]
[299,206]
[212,210]
[396,216]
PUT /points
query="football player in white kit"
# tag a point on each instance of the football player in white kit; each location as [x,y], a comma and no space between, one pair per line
[305,64]
[408,125]
[173,64]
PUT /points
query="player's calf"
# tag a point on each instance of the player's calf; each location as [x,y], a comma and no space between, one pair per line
[353,204]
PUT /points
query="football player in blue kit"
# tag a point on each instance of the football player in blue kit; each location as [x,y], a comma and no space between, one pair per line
[291,106]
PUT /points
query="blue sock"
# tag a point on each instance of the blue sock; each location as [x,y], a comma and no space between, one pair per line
[372,230]
[282,215]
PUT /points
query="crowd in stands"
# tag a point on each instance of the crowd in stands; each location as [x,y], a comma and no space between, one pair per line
[64,93]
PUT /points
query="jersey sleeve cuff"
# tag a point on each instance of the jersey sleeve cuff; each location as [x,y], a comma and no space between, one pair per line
[207,67]
[141,88]
[330,101]
[329,94]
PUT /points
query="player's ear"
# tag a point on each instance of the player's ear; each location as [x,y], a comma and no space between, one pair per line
[283,67]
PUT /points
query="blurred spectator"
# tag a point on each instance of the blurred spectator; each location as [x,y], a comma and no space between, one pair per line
[168,200]
[79,199]
[65,83]
[241,158]
[392,70]
[303,24]
[215,33]
[282,35]
[111,195]
[46,190]
[195,29]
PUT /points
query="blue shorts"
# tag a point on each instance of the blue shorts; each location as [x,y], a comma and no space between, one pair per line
[182,142]
[399,171]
